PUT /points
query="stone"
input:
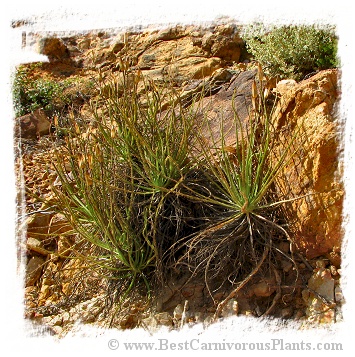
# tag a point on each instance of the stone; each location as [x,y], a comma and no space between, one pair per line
[338,294]
[53,47]
[129,321]
[84,43]
[171,33]
[320,263]
[35,245]
[49,273]
[286,265]
[284,247]
[149,323]
[230,309]
[263,289]
[57,330]
[31,296]
[175,60]
[57,320]
[285,86]
[117,46]
[334,270]
[164,319]
[223,42]
[323,283]
[314,175]
[44,294]
[37,226]
[66,318]
[33,270]
[178,311]
[193,68]
[287,312]
[320,298]
[220,111]
[32,125]
[58,225]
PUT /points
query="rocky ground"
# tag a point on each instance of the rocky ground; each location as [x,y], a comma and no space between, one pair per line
[59,291]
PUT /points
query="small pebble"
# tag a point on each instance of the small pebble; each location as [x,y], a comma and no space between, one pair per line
[287,312]
[333,270]
[338,294]
[320,264]
[178,312]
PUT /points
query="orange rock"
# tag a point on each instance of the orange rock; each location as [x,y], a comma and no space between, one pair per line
[316,169]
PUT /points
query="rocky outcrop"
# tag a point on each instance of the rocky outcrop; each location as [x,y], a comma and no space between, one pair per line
[175,55]
[223,101]
[315,173]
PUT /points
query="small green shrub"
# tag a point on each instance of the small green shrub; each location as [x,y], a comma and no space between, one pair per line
[53,96]
[123,192]
[239,183]
[292,51]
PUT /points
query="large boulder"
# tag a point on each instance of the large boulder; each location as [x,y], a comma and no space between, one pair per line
[176,54]
[225,102]
[178,60]
[314,175]
[223,42]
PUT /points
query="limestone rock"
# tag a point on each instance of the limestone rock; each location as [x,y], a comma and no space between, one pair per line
[31,296]
[285,85]
[339,298]
[171,33]
[154,322]
[84,43]
[323,283]
[33,125]
[177,60]
[287,312]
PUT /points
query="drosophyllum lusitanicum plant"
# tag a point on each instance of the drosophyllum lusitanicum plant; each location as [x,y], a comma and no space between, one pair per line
[122,179]
[142,188]
[247,224]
